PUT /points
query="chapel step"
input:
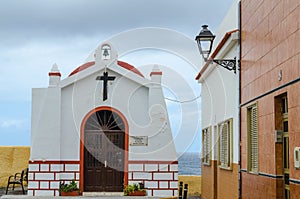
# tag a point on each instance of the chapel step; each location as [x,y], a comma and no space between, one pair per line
[93,194]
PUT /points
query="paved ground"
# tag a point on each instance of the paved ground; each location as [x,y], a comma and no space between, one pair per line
[76,197]
[17,194]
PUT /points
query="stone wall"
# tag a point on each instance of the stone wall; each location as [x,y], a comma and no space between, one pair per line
[13,159]
[194,184]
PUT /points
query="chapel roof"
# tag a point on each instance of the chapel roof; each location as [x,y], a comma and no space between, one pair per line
[120,63]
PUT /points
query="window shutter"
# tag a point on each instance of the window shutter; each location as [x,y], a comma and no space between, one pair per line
[254,139]
[206,145]
[225,141]
[224,145]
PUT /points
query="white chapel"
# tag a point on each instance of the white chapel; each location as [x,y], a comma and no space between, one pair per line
[105,126]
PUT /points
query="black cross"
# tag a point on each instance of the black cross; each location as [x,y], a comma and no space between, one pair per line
[105,79]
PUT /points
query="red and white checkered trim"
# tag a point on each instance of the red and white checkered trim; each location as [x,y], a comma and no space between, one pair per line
[45,176]
[159,177]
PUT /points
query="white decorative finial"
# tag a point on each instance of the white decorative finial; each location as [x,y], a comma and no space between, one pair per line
[54,68]
[155,70]
[54,76]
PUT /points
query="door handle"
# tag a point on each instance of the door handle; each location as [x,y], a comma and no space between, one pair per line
[105,163]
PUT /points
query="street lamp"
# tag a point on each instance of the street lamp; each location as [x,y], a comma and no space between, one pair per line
[205,41]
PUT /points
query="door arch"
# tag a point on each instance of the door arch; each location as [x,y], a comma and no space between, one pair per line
[104,151]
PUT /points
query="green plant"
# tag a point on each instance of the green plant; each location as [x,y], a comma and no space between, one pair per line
[133,187]
[69,187]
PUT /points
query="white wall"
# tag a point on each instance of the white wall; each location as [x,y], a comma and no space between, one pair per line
[45,124]
[84,94]
[219,103]
[219,92]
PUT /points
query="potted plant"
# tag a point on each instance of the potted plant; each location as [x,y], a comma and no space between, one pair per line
[135,190]
[70,189]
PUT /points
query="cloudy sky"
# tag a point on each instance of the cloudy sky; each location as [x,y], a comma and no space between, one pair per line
[36,34]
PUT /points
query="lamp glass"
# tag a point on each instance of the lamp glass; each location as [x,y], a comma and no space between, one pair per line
[205,41]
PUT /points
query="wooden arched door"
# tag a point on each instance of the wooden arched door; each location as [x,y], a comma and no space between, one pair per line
[104,150]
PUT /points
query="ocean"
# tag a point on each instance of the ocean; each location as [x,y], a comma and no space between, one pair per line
[189,164]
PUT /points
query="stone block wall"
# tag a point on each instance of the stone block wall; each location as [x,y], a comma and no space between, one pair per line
[45,176]
[159,177]
[13,159]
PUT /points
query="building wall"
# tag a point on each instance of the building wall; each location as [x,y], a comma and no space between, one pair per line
[159,177]
[270,68]
[208,182]
[219,95]
[13,159]
[45,176]
[228,183]
[194,184]
[58,119]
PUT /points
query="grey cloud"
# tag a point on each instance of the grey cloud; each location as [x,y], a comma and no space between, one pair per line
[31,19]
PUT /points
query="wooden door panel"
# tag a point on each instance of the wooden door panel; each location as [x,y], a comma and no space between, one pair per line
[104,153]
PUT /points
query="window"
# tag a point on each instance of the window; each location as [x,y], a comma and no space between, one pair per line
[206,146]
[225,144]
[284,105]
[252,123]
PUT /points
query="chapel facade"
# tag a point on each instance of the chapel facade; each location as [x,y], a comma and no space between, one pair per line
[105,126]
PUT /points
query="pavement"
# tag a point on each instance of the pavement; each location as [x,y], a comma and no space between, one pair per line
[17,194]
[12,193]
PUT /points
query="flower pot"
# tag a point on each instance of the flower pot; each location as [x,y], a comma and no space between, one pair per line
[71,193]
[137,193]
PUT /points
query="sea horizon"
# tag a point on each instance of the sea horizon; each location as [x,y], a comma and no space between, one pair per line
[189,163]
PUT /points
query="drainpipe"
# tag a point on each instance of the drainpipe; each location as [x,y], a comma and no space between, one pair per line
[239,100]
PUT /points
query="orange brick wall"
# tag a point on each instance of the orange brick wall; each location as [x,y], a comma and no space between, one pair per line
[224,186]
[270,48]
[261,187]
[228,183]
[207,182]
[295,189]
[294,126]
[270,43]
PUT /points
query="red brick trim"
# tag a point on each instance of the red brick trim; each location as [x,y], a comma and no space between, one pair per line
[82,67]
[155,73]
[54,162]
[130,67]
[54,74]
[151,162]
[120,63]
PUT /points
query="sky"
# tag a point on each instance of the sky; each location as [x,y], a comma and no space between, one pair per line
[36,34]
